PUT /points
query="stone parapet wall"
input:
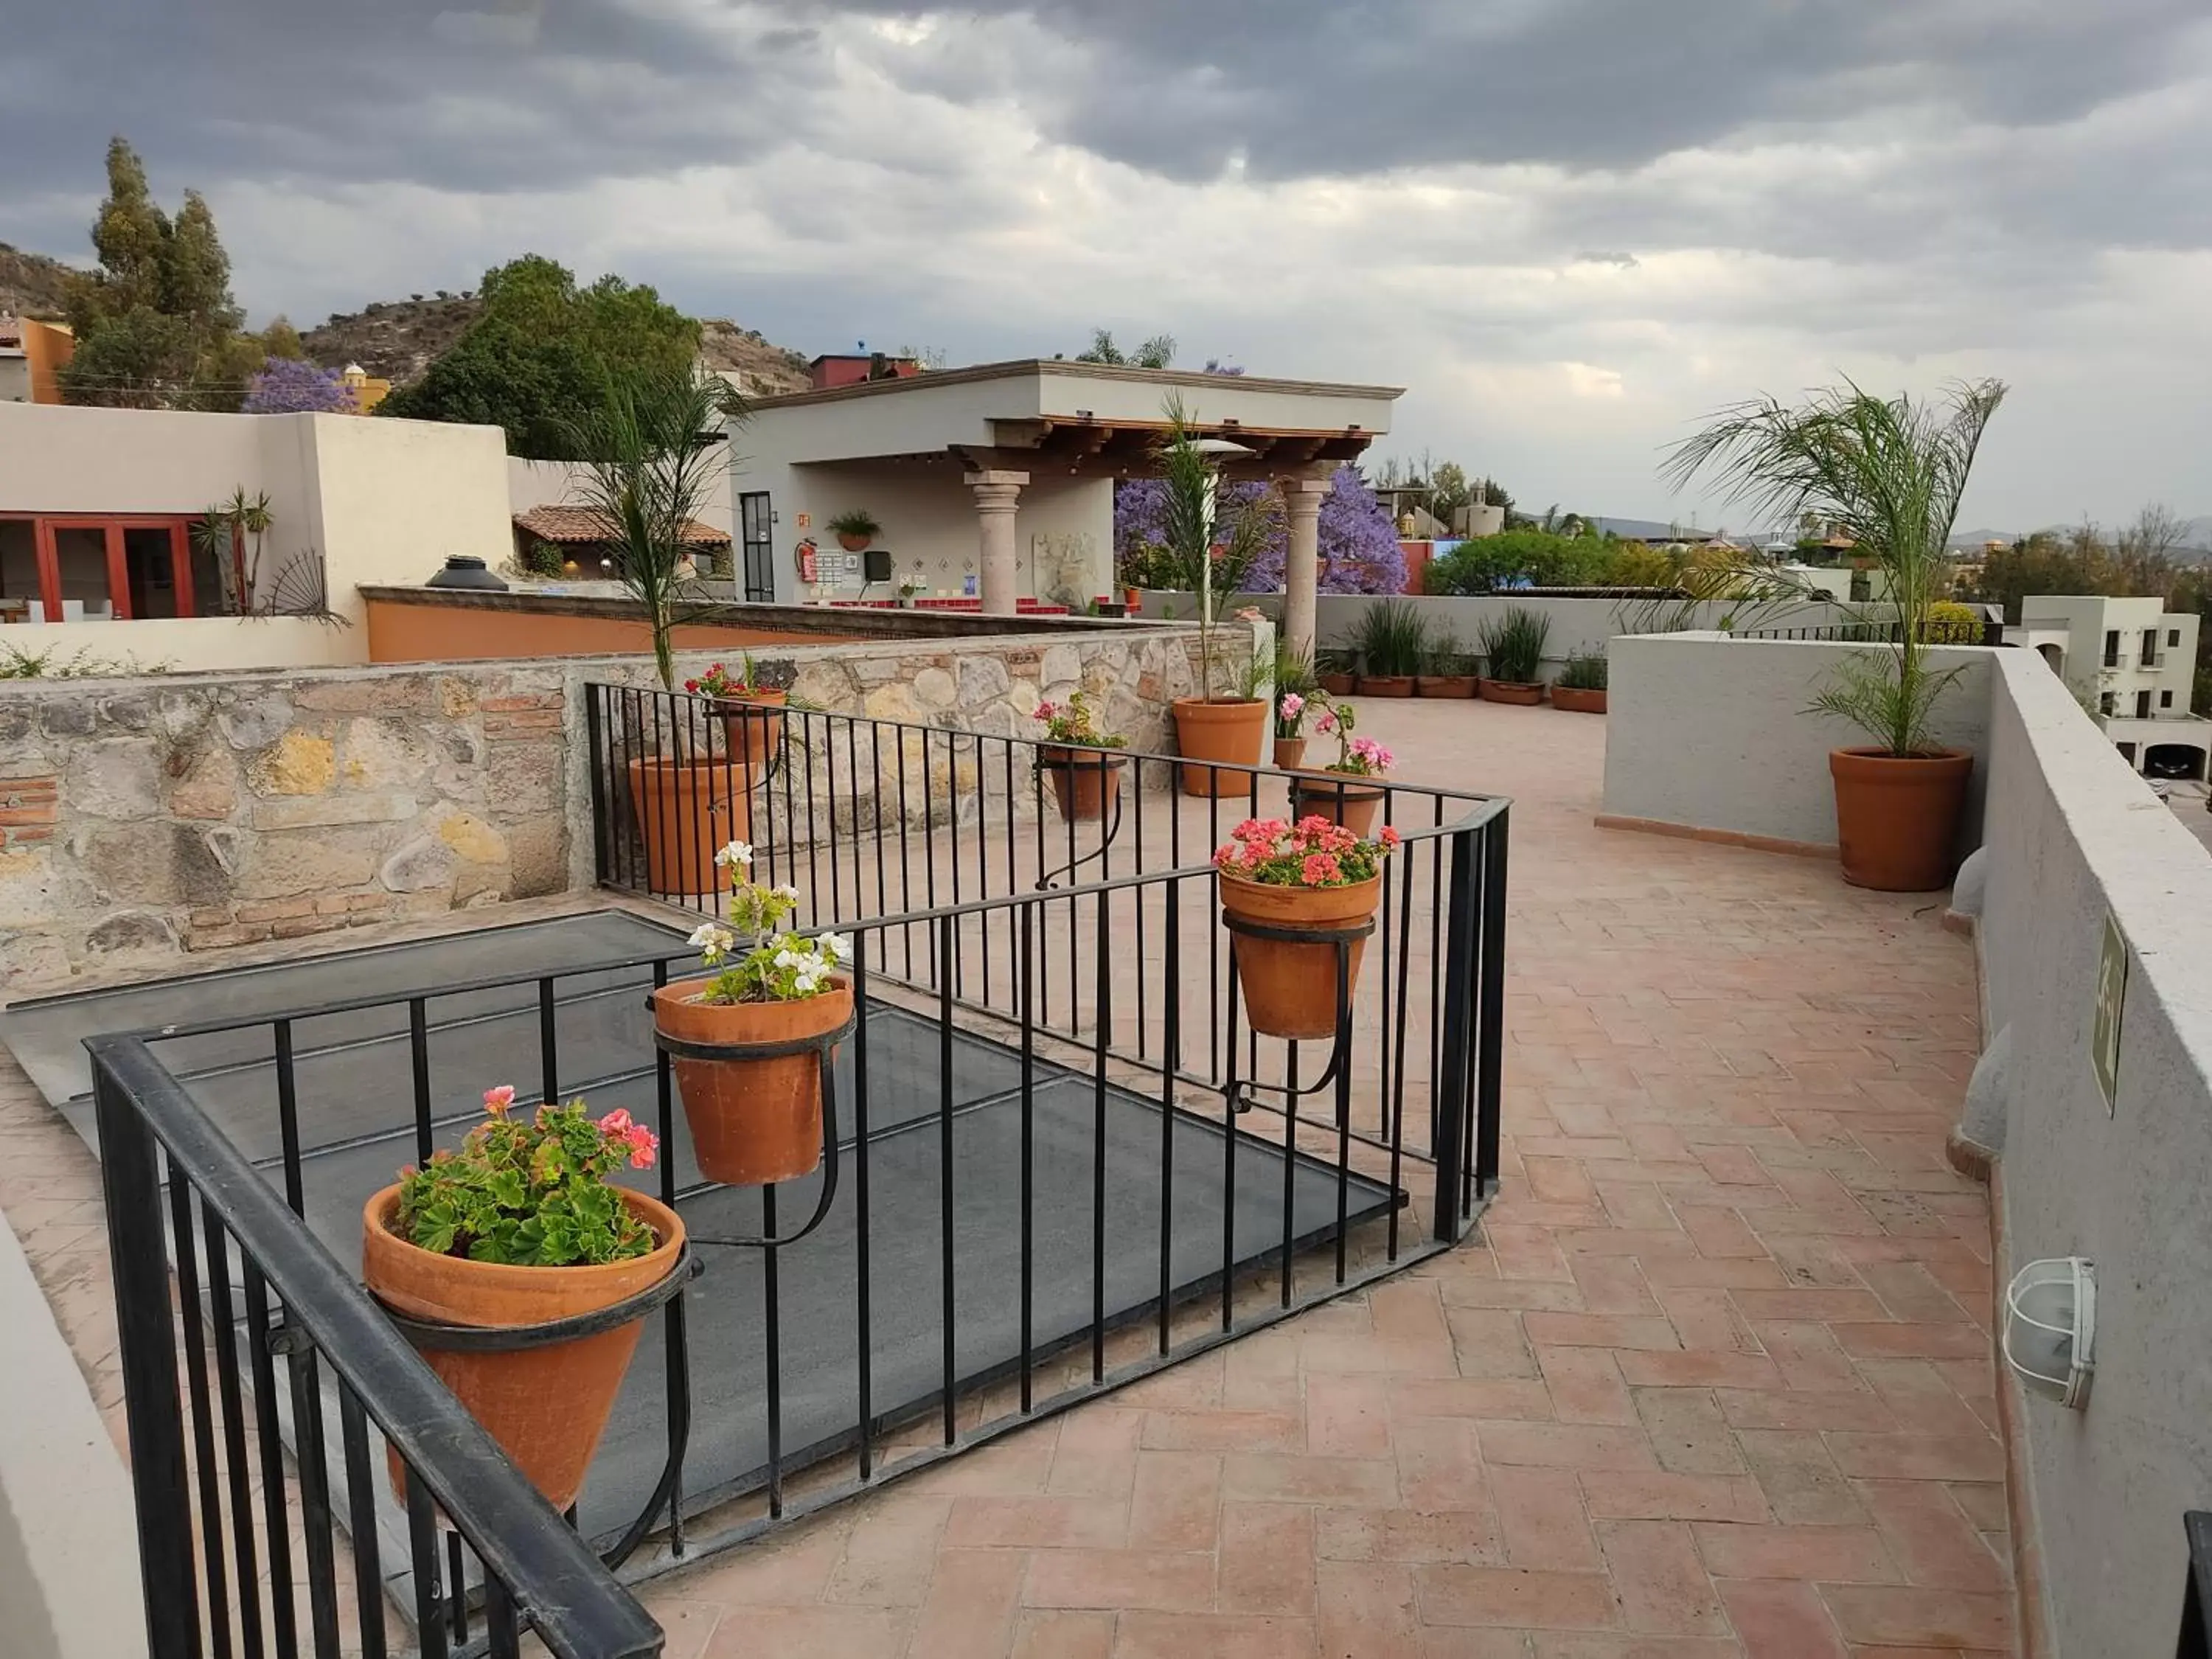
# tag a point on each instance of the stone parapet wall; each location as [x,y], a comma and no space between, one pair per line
[144,820]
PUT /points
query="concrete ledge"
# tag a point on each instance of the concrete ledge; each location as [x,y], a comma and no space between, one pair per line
[1800,849]
[69,1557]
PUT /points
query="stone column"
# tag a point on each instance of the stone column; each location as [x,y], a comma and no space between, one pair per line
[996,495]
[1301,498]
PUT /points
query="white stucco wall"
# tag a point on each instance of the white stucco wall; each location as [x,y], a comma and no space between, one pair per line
[192,644]
[2072,837]
[68,1574]
[397,498]
[1711,733]
[1578,625]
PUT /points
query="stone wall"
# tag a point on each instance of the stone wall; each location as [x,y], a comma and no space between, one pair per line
[142,820]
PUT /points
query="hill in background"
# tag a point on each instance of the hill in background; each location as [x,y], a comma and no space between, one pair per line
[398,340]
[31,284]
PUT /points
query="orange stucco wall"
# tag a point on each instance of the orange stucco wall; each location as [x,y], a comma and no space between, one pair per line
[47,346]
[431,633]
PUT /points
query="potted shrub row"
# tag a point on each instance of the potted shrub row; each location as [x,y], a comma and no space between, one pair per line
[1889,472]
[1580,688]
[1393,646]
[1446,670]
[1311,877]
[1512,644]
[1079,762]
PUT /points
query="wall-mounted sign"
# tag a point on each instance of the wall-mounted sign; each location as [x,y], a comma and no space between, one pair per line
[806,521]
[2112,995]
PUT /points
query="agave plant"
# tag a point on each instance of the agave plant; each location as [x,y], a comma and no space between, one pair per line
[1393,639]
[1889,473]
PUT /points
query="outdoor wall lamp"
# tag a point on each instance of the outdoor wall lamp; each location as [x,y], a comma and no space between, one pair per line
[2050,1329]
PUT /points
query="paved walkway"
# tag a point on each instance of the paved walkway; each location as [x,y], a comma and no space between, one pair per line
[1716,1379]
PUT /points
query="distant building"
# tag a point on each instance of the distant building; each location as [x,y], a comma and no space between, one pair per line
[369,390]
[30,354]
[2131,664]
[857,368]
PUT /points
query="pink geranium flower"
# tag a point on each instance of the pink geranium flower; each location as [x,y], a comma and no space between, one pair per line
[496,1100]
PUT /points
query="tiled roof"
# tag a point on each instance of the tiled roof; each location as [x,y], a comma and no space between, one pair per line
[584,524]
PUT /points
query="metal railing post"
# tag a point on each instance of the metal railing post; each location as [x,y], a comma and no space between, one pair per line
[147,1342]
[1489,1035]
[1449,1115]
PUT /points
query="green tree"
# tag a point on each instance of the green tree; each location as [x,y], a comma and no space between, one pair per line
[156,324]
[1158,352]
[544,352]
[280,339]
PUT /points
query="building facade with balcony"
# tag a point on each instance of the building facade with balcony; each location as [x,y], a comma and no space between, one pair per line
[2130,662]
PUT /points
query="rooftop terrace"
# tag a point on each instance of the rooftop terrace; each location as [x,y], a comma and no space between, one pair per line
[1715,1377]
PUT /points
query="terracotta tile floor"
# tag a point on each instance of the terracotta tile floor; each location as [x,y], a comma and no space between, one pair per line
[1714,1380]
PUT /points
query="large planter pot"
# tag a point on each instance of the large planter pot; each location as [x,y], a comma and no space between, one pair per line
[1579,699]
[1386,685]
[1512,691]
[751,727]
[546,1406]
[1219,729]
[1897,817]
[686,808]
[1443,685]
[1290,754]
[1338,685]
[755,1118]
[1086,781]
[1353,802]
[1290,985]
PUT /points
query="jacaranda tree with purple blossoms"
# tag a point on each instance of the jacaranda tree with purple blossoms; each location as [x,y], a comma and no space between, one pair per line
[292,385]
[1359,551]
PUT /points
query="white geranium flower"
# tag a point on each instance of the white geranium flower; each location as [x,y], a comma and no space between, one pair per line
[787,891]
[738,853]
[787,959]
[836,947]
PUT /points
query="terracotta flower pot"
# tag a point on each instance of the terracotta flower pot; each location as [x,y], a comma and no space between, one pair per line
[1290,754]
[1134,598]
[685,809]
[1086,781]
[1897,817]
[1340,797]
[1338,685]
[1290,987]
[1219,729]
[1386,685]
[754,1119]
[1443,685]
[546,1406]
[853,544]
[1579,699]
[1512,691]
[753,732]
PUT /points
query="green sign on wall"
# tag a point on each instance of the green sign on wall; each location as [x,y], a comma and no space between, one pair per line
[2112,994]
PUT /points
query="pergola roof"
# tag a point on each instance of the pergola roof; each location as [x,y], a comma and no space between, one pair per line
[1055,416]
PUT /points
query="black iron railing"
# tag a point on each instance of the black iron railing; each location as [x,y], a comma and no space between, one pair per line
[2196,1641]
[238,1542]
[1851,633]
[1058,1159]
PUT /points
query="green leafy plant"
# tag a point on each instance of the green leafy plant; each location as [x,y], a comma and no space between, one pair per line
[532,1194]
[855,521]
[1442,653]
[19,663]
[1393,639]
[1888,473]
[1072,722]
[542,558]
[1206,549]
[1948,622]
[775,966]
[1512,644]
[1585,672]
[652,454]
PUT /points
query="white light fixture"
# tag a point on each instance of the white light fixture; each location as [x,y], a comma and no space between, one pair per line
[2050,1329]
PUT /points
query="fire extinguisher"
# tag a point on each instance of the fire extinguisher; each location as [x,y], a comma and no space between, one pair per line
[809,566]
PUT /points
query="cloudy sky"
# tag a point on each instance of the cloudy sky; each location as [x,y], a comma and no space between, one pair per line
[1569,226]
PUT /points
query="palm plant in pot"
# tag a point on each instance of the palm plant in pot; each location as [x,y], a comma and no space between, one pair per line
[655,453]
[1889,472]
[521,1226]
[1580,689]
[1512,644]
[1332,793]
[1394,643]
[749,1041]
[1312,877]
[1085,772]
[1211,546]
